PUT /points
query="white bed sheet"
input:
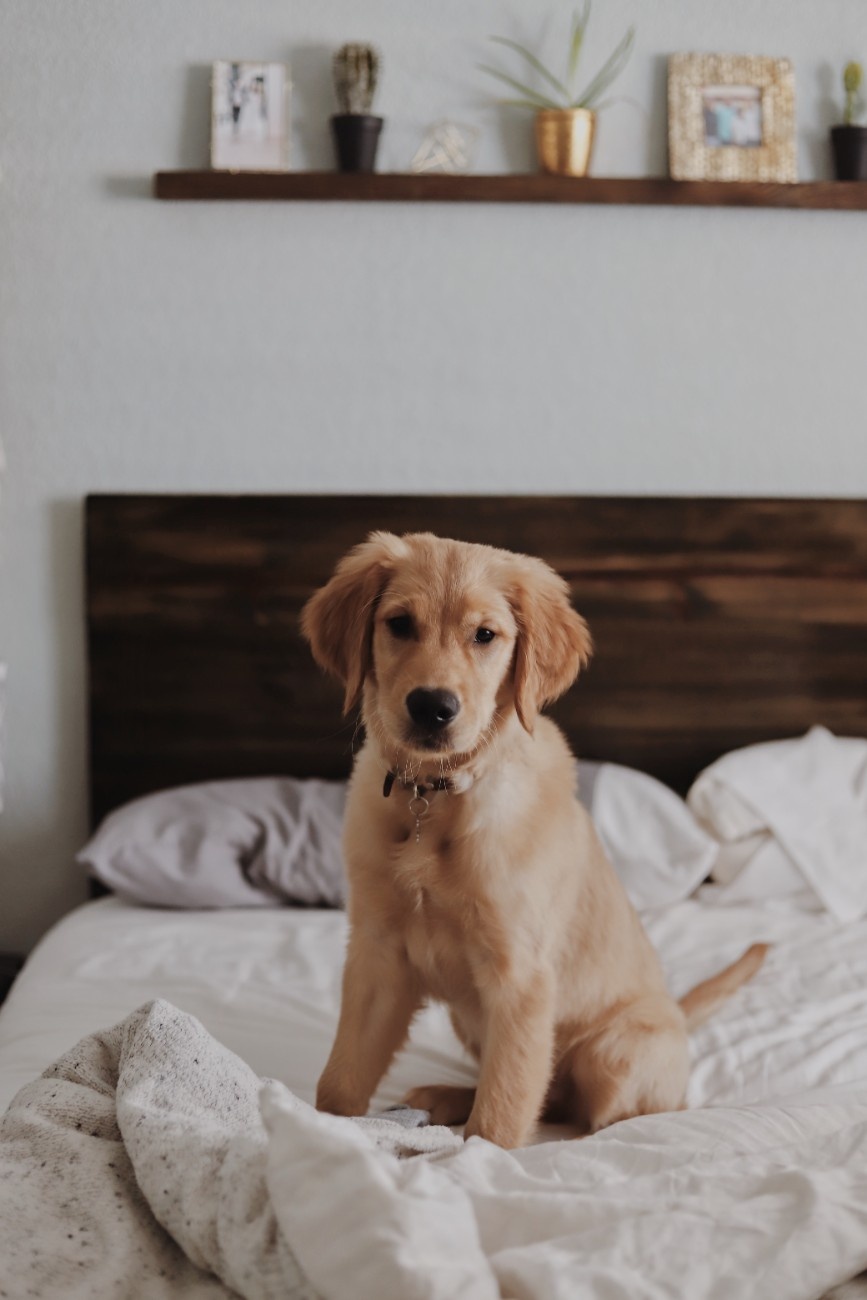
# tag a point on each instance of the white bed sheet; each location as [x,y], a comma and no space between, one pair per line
[267,985]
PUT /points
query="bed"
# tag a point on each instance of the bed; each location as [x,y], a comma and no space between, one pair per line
[718,624]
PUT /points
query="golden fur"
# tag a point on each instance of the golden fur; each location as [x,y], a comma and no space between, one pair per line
[499,899]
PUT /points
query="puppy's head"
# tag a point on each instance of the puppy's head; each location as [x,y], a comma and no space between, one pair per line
[444,639]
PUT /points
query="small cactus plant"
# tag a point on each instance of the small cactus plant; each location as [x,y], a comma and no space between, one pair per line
[356,68]
[853,77]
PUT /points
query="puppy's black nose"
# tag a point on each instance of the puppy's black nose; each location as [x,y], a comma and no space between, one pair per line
[432,709]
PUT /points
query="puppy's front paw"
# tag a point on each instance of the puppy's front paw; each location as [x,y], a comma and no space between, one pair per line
[339,1101]
[500,1130]
[445,1104]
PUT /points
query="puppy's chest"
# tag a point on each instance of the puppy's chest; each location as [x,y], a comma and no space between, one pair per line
[444,912]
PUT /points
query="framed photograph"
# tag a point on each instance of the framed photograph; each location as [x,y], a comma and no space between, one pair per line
[249,117]
[731,118]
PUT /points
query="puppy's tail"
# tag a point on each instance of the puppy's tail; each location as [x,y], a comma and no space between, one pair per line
[701,1002]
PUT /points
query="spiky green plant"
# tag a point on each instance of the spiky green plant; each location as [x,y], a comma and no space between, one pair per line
[565,94]
[853,77]
[356,70]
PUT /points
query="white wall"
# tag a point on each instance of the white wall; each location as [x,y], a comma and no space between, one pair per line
[279,347]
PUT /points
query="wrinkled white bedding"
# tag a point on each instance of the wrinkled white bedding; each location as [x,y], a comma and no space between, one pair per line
[790,818]
[783,1068]
[267,984]
[148,1161]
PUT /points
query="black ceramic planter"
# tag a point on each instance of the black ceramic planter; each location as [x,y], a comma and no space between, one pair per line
[849,144]
[356,136]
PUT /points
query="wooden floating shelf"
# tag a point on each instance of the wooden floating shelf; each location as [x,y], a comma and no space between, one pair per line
[399,187]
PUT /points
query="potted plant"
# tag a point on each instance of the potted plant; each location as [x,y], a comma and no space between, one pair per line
[565,117]
[849,141]
[356,130]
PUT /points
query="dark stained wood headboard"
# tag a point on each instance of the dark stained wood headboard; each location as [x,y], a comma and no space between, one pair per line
[717,623]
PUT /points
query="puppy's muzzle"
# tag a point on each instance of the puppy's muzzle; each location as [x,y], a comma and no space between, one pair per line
[432,711]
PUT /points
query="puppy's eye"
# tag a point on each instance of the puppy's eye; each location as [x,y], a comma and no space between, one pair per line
[400,626]
[484,635]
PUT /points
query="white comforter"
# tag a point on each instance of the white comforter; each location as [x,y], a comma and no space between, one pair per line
[149,1162]
[763,1192]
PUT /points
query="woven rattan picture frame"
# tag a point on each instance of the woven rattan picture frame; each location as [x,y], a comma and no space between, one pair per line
[731,118]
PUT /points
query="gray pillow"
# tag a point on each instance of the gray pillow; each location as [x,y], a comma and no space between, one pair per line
[252,843]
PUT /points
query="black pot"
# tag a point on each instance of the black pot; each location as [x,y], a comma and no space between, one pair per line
[356,136]
[850,152]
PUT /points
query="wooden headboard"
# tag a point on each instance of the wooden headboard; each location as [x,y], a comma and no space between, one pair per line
[717,623]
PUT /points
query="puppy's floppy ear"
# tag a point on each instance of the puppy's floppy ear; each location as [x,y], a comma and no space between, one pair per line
[554,643]
[338,619]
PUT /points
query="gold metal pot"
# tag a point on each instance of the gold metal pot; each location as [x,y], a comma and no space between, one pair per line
[564,140]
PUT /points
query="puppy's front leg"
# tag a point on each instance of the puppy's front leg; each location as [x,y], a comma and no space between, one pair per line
[516,1062]
[380,996]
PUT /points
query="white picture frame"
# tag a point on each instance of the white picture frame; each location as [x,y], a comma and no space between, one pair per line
[249,116]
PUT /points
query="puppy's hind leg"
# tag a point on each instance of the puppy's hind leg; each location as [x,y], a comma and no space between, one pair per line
[636,1064]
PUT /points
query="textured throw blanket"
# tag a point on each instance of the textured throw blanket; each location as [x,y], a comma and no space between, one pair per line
[150,1163]
[137,1166]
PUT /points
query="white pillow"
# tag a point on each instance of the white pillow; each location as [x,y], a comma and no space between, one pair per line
[266,841]
[655,844]
[253,843]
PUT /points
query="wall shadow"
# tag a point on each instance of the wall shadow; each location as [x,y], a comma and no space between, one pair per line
[816,141]
[657,119]
[311,105]
[128,187]
[194,151]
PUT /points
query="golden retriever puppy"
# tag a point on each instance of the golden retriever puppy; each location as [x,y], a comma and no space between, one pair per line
[475,875]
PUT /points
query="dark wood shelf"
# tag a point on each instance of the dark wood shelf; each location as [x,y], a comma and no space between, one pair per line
[398,187]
